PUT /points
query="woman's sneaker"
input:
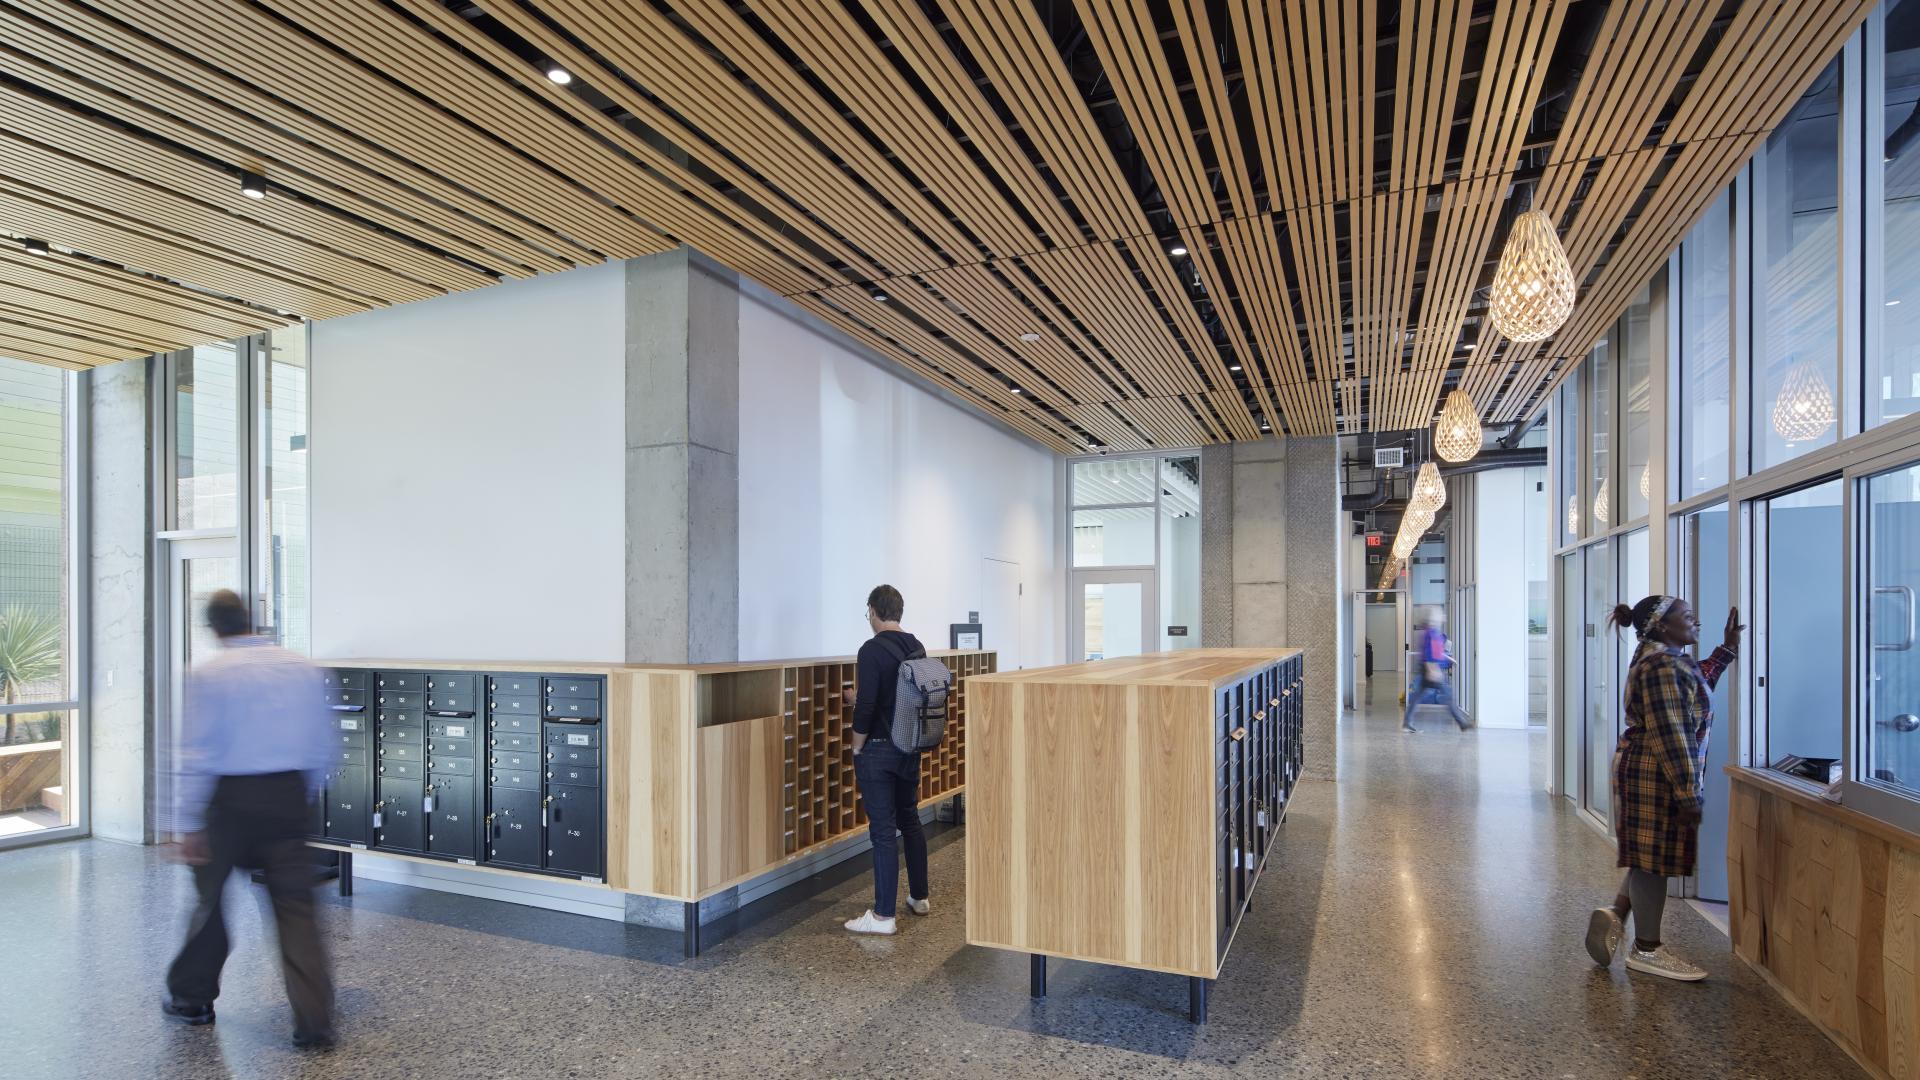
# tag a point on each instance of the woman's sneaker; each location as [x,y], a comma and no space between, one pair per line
[1604,931]
[919,907]
[870,923]
[1663,963]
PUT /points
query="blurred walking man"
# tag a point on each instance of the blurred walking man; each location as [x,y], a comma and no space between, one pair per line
[253,751]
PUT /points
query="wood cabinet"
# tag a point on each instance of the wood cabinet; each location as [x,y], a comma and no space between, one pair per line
[710,775]
[1121,811]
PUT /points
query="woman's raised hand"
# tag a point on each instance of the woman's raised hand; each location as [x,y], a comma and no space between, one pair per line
[1730,637]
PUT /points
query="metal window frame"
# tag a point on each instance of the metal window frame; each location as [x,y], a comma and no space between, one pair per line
[77,498]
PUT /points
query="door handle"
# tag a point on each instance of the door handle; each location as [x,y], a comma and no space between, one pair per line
[1906,642]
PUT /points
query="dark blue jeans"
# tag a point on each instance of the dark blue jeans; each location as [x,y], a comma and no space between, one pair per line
[890,787]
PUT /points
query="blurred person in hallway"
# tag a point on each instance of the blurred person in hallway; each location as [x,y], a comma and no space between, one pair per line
[1658,772]
[253,752]
[1433,662]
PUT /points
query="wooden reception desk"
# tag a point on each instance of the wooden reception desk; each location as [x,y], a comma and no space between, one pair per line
[1121,811]
[710,775]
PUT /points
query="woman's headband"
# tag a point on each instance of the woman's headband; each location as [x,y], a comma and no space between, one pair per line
[1659,612]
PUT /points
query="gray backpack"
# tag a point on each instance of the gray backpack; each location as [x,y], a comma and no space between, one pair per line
[919,700]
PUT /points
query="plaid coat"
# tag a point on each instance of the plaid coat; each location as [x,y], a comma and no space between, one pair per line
[1661,762]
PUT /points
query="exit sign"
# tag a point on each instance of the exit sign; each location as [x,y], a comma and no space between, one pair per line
[1375,539]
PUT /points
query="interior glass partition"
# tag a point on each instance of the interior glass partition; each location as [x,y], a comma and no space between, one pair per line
[1601,730]
[1796,263]
[1134,536]
[1892,705]
[1705,537]
[1706,313]
[1802,545]
[1893,355]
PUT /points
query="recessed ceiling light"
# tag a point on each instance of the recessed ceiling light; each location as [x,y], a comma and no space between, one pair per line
[1029,336]
[1469,346]
[36,247]
[253,185]
[881,297]
[1176,251]
[1233,367]
[558,75]
[1016,389]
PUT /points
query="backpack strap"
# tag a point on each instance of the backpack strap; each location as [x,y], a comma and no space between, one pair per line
[899,654]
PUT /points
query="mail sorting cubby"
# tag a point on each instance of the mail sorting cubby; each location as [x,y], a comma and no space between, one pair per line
[820,797]
[1121,811]
[743,768]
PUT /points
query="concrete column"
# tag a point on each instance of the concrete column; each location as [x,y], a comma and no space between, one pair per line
[1260,544]
[118,691]
[1312,512]
[1216,546]
[683,474]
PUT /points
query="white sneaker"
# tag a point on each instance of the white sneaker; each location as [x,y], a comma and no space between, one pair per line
[1663,963]
[919,907]
[870,923]
[1604,930]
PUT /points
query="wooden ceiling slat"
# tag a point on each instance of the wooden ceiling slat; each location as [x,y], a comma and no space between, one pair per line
[79,39]
[952,157]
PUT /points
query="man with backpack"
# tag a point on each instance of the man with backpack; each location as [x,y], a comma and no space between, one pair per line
[899,709]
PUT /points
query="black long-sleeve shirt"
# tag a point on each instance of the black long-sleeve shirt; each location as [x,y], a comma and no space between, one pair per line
[877,675]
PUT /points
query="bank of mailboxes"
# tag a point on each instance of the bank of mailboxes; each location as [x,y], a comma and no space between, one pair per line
[1259,757]
[470,766]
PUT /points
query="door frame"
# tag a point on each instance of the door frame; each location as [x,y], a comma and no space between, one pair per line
[1148,580]
[172,551]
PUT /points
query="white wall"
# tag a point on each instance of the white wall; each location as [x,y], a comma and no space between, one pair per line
[1500,598]
[469,494]
[851,476]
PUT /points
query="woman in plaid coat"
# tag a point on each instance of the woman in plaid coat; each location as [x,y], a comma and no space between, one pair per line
[1658,772]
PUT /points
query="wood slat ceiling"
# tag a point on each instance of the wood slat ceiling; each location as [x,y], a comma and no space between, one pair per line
[987,192]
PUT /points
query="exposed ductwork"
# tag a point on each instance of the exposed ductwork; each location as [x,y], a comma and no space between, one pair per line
[1487,460]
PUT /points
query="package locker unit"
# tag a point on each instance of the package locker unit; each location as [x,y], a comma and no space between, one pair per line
[1121,811]
[672,781]
[482,768]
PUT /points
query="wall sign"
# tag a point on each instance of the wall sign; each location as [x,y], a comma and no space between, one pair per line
[1176,631]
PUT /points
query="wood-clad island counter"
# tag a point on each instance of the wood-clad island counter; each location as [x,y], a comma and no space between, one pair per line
[707,776]
[1825,902]
[1120,811]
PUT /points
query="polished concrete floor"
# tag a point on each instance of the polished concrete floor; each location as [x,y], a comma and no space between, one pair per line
[1422,918]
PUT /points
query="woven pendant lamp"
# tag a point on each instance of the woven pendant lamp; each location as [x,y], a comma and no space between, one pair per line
[1456,435]
[1429,491]
[1573,515]
[1601,499]
[1646,480]
[1533,288]
[1804,409]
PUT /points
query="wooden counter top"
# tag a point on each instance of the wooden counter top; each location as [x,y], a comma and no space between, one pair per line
[1186,667]
[1807,795]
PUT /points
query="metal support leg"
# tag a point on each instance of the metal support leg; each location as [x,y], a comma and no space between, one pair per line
[1037,976]
[346,873]
[1197,998]
[692,931]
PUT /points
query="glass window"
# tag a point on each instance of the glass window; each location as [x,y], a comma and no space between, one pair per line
[1893,368]
[1118,480]
[1566,422]
[283,520]
[1118,536]
[1706,589]
[35,602]
[1804,623]
[1601,735]
[1598,499]
[1706,261]
[1636,406]
[206,459]
[1180,552]
[1893,661]
[1796,260]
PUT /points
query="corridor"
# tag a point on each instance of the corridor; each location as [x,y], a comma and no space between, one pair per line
[1423,920]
